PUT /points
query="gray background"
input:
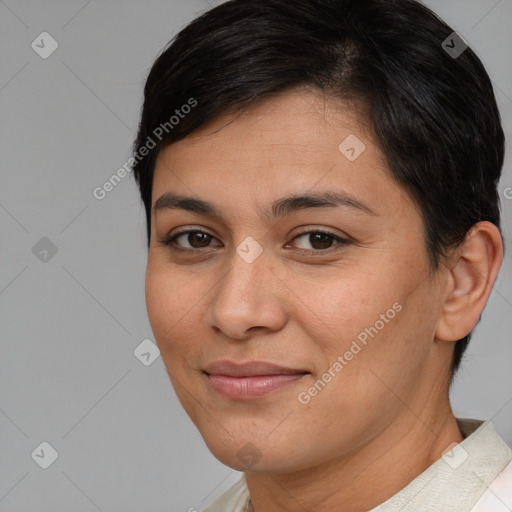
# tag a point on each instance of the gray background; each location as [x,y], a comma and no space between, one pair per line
[70,321]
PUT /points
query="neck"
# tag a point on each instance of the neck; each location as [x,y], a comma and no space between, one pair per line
[358,482]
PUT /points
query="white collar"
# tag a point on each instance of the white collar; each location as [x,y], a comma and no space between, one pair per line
[455,482]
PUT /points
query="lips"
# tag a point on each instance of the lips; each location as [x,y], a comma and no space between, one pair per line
[250,380]
[249,369]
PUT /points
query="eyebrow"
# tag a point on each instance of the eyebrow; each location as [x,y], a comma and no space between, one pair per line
[279,208]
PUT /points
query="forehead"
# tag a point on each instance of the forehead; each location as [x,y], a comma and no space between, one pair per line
[296,121]
[295,141]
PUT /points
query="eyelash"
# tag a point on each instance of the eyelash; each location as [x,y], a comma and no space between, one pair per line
[170,241]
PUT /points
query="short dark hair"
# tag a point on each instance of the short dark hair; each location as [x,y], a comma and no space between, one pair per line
[433,114]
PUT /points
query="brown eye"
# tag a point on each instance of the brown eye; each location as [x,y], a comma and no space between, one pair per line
[319,240]
[195,239]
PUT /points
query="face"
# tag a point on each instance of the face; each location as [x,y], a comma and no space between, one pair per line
[338,295]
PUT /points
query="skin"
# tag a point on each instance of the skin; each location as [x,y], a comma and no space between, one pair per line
[389,406]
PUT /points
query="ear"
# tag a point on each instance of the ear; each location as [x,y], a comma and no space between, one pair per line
[472,272]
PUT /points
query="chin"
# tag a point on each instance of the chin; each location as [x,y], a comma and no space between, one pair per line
[246,453]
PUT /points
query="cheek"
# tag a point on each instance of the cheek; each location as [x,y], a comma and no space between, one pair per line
[159,301]
[170,303]
[341,309]
[383,344]
[173,317]
[367,320]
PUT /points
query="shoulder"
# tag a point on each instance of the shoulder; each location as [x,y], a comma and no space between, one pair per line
[498,496]
[233,500]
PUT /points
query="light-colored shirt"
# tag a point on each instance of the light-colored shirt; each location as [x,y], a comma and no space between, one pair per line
[474,476]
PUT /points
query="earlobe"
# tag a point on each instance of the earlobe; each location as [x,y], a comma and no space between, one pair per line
[471,277]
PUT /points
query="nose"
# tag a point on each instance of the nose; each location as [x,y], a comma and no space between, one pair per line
[249,298]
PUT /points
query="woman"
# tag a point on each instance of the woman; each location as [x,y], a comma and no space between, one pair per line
[324,232]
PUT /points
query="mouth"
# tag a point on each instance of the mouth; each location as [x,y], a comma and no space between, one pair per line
[250,380]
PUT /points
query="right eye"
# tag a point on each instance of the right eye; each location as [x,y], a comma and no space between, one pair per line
[195,238]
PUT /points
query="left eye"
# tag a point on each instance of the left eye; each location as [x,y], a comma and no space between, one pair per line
[319,240]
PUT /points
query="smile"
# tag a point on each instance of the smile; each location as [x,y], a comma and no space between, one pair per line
[243,388]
